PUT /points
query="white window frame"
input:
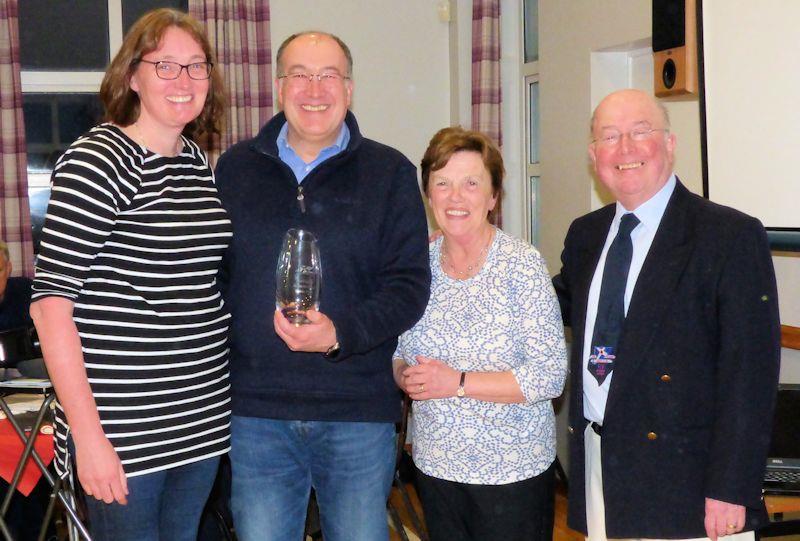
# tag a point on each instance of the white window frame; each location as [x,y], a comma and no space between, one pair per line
[59,82]
[534,169]
[72,82]
[529,72]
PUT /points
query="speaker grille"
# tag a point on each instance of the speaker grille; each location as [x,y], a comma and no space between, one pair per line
[669,26]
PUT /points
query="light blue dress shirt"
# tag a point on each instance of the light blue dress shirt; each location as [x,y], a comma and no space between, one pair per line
[300,168]
[649,214]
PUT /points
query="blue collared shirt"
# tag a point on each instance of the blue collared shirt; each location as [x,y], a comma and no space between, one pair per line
[300,168]
[649,214]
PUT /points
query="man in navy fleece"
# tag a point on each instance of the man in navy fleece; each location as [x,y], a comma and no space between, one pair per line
[315,405]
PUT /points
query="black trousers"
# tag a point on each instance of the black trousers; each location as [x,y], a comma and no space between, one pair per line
[522,511]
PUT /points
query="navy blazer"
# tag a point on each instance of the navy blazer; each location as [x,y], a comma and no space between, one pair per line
[690,404]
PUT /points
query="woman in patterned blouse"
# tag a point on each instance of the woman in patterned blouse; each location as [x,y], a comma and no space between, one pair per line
[485,360]
[132,324]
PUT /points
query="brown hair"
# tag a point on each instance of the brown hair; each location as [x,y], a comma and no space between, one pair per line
[122,104]
[448,141]
[345,49]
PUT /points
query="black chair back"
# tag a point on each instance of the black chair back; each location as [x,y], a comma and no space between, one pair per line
[17,345]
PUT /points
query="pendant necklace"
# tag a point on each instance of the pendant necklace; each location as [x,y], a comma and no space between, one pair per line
[471,269]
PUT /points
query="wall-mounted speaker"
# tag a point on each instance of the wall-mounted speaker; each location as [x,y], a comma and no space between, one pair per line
[675,48]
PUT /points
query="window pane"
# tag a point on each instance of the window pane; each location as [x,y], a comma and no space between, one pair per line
[38,123]
[531,10]
[53,122]
[133,9]
[533,122]
[534,210]
[63,36]
[76,115]
[38,197]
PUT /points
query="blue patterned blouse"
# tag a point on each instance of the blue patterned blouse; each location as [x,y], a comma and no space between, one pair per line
[504,318]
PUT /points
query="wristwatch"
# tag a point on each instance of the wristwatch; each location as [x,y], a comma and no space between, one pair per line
[460,392]
[333,351]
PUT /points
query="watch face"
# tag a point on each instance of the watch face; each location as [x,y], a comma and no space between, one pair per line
[460,392]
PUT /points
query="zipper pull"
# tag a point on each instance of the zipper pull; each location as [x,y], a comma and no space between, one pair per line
[301,200]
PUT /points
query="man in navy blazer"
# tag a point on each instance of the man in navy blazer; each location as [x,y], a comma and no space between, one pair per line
[671,443]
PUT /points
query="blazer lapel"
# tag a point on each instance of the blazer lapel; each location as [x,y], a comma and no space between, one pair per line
[590,245]
[593,239]
[653,292]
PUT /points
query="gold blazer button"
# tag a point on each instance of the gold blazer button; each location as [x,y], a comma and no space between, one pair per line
[666,378]
[651,436]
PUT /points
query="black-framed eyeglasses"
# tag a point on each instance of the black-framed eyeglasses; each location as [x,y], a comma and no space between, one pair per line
[168,70]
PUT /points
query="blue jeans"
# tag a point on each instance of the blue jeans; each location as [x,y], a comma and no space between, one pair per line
[275,464]
[161,505]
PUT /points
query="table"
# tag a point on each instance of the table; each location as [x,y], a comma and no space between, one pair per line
[61,490]
[784,514]
[12,446]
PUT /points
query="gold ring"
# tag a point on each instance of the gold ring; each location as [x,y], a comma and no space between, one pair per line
[731,526]
[422,387]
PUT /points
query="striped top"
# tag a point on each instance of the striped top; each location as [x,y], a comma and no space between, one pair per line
[135,239]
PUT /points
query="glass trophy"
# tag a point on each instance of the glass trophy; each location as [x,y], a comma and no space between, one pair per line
[298,276]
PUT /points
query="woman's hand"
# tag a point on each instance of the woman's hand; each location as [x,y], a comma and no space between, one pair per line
[398,365]
[100,470]
[431,378]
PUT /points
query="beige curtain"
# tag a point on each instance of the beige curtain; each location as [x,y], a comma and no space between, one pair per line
[239,33]
[486,92]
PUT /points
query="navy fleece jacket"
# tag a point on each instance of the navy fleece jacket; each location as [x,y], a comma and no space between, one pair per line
[365,208]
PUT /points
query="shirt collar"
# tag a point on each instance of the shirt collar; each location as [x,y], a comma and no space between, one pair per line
[651,211]
[341,140]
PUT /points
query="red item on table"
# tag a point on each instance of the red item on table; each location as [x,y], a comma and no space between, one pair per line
[11,448]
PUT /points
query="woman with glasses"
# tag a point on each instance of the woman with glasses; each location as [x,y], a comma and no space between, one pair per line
[485,360]
[132,325]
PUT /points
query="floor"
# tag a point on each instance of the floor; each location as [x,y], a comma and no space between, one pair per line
[560,531]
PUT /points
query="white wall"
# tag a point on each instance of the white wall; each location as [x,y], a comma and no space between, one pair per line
[400,61]
[753,121]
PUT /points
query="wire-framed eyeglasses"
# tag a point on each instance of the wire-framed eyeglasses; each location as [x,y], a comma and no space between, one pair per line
[613,138]
[302,80]
[168,70]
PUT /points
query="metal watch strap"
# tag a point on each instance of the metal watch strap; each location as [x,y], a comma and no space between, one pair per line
[333,351]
